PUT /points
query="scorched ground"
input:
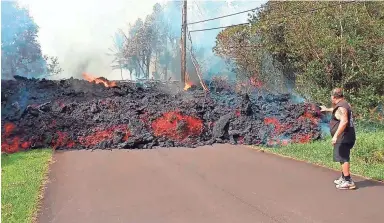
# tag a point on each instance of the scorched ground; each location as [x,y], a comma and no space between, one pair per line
[99,114]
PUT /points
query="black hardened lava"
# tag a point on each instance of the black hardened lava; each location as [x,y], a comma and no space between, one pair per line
[76,114]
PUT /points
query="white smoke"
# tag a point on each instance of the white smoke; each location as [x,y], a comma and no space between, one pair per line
[80,32]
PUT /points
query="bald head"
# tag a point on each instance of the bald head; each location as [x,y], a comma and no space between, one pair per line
[337,93]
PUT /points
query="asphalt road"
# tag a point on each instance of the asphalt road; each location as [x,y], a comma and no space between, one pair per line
[222,183]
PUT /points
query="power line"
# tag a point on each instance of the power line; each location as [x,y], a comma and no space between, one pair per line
[221,27]
[247,46]
[225,16]
[278,17]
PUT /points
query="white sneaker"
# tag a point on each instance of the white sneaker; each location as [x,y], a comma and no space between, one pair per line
[346,185]
[338,181]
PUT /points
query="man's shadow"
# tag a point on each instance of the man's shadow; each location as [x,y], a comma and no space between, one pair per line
[368,183]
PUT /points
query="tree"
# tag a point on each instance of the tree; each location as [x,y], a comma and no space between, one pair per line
[322,45]
[148,43]
[237,47]
[52,65]
[20,51]
[152,44]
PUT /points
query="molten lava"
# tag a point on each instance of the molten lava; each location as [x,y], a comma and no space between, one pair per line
[99,80]
[61,115]
[9,127]
[103,135]
[275,123]
[311,113]
[61,141]
[176,126]
[12,144]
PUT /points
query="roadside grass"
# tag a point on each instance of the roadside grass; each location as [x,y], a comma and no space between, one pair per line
[22,175]
[367,156]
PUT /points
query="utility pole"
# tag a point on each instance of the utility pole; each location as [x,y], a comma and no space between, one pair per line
[184,44]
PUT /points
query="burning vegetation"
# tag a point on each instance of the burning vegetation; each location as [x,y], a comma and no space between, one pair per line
[99,80]
[100,114]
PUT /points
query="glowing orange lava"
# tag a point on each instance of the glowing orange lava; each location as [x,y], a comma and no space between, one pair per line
[102,135]
[99,80]
[309,114]
[12,144]
[274,122]
[177,126]
[9,127]
[61,141]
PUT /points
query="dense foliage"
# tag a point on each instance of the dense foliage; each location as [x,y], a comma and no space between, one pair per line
[314,47]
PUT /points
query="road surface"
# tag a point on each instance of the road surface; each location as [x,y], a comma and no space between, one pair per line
[220,183]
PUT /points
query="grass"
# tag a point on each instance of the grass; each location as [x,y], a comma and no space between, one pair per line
[23,174]
[367,156]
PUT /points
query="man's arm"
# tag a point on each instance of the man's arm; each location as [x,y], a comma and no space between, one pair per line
[342,115]
[325,109]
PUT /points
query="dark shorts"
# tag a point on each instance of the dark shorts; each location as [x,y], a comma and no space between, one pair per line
[342,151]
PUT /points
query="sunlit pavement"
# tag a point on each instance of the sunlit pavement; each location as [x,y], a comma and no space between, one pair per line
[220,183]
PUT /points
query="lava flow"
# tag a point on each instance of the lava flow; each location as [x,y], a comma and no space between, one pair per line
[12,144]
[177,126]
[74,114]
[100,135]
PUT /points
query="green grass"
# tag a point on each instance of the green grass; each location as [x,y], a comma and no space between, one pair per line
[367,156]
[22,177]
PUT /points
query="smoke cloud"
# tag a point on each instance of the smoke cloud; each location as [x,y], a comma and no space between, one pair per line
[80,33]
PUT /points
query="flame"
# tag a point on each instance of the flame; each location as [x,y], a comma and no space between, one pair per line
[187,85]
[99,80]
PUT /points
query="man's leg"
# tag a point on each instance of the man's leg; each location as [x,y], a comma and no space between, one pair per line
[346,170]
[344,157]
[337,158]
[342,177]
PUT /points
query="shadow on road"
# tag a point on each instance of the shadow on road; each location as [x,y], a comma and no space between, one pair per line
[368,183]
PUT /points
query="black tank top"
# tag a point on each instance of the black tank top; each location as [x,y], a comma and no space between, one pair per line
[348,135]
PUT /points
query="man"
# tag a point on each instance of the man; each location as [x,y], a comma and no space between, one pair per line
[343,136]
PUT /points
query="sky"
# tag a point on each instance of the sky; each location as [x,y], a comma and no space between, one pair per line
[80,32]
